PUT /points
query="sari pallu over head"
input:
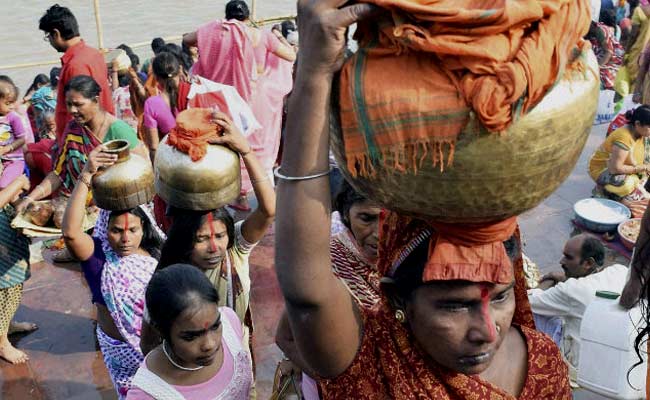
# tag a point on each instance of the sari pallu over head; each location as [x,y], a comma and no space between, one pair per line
[391,364]
[125,279]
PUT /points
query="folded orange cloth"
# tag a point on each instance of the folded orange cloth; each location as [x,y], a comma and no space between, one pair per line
[408,91]
[194,129]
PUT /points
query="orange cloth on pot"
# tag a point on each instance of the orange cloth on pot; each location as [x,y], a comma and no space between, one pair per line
[194,129]
[407,93]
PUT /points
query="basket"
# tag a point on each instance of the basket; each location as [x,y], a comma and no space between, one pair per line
[493,176]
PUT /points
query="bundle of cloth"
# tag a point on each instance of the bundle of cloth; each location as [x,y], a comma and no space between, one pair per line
[497,59]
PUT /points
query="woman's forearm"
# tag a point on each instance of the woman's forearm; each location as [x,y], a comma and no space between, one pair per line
[74,213]
[50,184]
[262,186]
[303,266]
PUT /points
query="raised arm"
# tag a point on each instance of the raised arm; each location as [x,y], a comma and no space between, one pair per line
[151,140]
[256,224]
[80,243]
[323,317]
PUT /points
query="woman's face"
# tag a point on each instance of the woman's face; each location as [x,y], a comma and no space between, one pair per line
[83,110]
[125,234]
[364,222]
[210,245]
[461,324]
[195,335]
[642,130]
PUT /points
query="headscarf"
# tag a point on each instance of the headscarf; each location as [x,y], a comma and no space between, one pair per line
[470,252]
[125,279]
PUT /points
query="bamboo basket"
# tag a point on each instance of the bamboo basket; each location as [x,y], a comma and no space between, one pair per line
[493,176]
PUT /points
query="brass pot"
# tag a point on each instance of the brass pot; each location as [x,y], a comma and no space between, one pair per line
[207,184]
[126,184]
[493,176]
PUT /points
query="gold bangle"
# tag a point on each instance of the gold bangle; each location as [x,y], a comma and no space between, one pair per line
[256,181]
[84,181]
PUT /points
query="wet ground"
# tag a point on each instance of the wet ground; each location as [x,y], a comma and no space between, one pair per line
[64,359]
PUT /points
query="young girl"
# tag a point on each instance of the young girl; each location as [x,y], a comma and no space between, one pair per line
[202,356]
[14,271]
[12,133]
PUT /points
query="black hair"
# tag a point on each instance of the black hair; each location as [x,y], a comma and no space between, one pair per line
[187,56]
[40,79]
[608,17]
[184,59]
[150,241]
[157,45]
[126,48]
[59,18]
[172,291]
[182,234]
[288,26]
[641,114]
[85,85]
[345,198]
[7,87]
[165,66]
[237,9]
[408,276]
[592,248]
[54,77]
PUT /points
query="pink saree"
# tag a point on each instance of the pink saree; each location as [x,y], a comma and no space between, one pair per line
[226,55]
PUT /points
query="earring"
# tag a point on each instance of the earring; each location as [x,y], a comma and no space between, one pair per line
[400,316]
[498,329]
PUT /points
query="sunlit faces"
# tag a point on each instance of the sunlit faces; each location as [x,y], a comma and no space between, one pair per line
[7,99]
[125,234]
[210,244]
[461,324]
[82,109]
[364,219]
[195,336]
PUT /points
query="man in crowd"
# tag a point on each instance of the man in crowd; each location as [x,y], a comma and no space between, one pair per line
[563,296]
[62,32]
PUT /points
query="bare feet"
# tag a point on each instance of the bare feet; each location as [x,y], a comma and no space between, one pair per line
[22,327]
[11,354]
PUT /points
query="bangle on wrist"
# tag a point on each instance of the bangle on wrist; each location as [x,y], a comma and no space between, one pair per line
[256,181]
[84,180]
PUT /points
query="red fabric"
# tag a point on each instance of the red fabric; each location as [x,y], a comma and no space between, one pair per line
[160,213]
[81,59]
[194,128]
[389,366]
[39,160]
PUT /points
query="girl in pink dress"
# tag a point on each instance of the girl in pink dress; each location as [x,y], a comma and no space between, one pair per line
[202,356]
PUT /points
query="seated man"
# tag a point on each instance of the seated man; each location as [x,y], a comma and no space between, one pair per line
[566,294]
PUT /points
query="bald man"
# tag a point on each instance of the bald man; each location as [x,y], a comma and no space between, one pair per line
[564,295]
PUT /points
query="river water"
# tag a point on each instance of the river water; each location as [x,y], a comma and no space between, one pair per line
[123,22]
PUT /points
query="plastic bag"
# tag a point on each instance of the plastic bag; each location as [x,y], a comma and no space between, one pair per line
[605,111]
[205,93]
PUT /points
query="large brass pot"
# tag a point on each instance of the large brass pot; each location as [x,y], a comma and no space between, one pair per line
[126,184]
[207,184]
[492,176]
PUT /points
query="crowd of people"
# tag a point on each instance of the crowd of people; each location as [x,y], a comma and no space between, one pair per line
[371,309]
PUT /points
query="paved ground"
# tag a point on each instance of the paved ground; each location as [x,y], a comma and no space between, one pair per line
[66,364]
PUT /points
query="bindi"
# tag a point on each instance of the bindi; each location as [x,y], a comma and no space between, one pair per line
[485,312]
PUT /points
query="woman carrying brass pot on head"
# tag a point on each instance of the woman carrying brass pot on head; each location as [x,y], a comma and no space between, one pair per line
[211,240]
[90,127]
[118,263]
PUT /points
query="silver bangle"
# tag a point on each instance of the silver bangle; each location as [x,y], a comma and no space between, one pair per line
[277,174]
